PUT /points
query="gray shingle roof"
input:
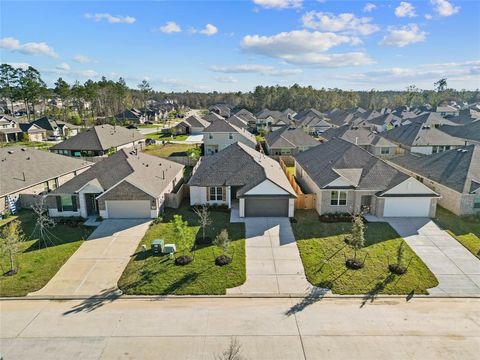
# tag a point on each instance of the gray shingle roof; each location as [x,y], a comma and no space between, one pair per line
[325,163]
[356,135]
[468,131]
[20,169]
[147,172]
[455,169]
[223,126]
[416,134]
[101,137]
[196,121]
[288,137]
[211,117]
[239,165]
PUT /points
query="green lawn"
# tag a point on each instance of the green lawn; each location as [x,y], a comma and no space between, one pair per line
[148,274]
[322,249]
[169,150]
[150,126]
[34,144]
[466,229]
[166,137]
[38,265]
[7,220]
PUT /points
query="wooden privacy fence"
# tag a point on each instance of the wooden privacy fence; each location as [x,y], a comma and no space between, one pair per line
[303,201]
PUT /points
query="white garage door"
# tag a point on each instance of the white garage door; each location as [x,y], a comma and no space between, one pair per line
[128,209]
[407,207]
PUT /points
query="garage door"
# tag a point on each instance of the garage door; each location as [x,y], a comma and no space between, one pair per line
[407,207]
[128,209]
[266,206]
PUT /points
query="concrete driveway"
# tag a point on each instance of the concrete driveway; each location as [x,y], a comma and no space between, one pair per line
[272,259]
[99,262]
[456,268]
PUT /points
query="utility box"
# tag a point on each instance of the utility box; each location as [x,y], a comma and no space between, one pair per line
[170,248]
[158,246]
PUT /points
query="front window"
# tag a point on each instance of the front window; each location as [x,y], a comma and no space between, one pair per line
[230,136]
[385,151]
[338,198]
[476,202]
[210,136]
[66,203]
[216,193]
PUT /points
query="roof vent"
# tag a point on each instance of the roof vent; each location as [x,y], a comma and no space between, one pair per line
[24,149]
[10,151]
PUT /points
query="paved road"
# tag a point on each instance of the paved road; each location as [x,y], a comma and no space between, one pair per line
[456,268]
[272,259]
[99,262]
[266,329]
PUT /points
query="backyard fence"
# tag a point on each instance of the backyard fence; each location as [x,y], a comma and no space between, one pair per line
[303,201]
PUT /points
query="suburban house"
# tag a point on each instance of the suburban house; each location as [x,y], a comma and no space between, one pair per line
[221,134]
[313,121]
[33,132]
[447,110]
[132,115]
[347,178]
[9,129]
[454,174]
[247,117]
[470,133]
[382,122]
[221,109]
[240,173]
[212,117]
[423,139]
[192,125]
[26,173]
[288,141]
[269,120]
[364,138]
[136,188]
[237,121]
[339,117]
[431,119]
[56,128]
[290,113]
[99,140]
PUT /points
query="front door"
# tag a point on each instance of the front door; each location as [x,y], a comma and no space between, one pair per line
[91,203]
[366,203]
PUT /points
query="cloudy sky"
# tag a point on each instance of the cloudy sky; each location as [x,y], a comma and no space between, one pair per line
[236,45]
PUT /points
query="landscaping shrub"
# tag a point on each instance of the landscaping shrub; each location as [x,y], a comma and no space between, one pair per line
[70,221]
[354,264]
[183,260]
[336,217]
[223,260]
[397,269]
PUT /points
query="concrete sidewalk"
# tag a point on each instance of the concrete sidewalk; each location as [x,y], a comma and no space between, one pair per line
[272,258]
[456,268]
[99,262]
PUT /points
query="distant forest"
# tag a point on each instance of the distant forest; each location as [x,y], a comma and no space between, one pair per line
[106,98]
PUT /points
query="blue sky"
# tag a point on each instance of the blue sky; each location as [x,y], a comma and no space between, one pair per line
[236,45]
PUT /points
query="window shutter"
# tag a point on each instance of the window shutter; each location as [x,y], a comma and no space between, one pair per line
[224,193]
[59,203]
[74,203]
[208,193]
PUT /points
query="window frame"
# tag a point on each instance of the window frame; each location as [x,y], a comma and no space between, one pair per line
[338,198]
[476,201]
[216,194]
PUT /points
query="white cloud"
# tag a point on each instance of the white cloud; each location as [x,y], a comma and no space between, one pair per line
[454,71]
[170,27]
[19,65]
[405,9]
[63,66]
[403,35]
[30,48]
[346,22]
[279,4]
[428,16]
[254,69]
[82,59]
[209,30]
[226,79]
[444,7]
[369,7]
[305,47]
[112,19]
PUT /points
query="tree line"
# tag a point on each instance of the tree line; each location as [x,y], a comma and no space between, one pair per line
[105,98]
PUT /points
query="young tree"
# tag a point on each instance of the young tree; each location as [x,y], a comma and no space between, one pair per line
[356,240]
[10,239]
[203,218]
[180,227]
[223,242]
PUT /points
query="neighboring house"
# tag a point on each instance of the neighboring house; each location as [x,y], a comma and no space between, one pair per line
[339,117]
[447,110]
[423,139]
[33,132]
[247,117]
[136,188]
[99,141]
[26,173]
[313,121]
[56,128]
[288,141]
[431,119]
[237,121]
[346,178]
[454,174]
[290,113]
[132,115]
[221,134]
[221,109]
[381,123]
[363,137]
[9,129]
[269,120]
[469,133]
[212,117]
[240,173]
[191,125]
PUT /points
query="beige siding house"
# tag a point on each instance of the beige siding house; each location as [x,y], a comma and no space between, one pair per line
[221,134]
